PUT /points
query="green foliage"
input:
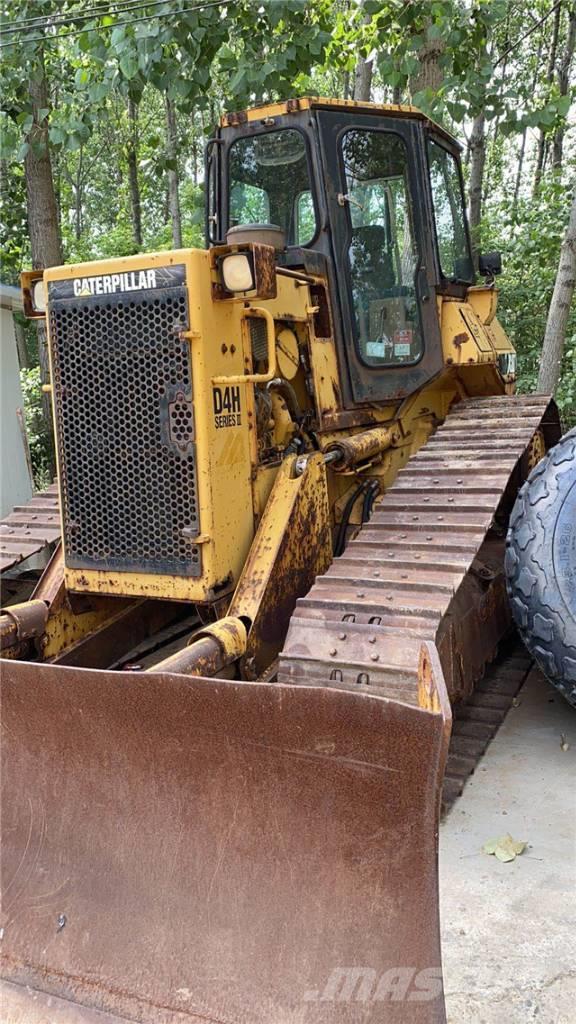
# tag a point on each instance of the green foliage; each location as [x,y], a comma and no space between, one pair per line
[530,239]
[39,440]
[493,59]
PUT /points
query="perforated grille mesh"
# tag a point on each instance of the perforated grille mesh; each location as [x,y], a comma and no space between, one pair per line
[259,339]
[125,428]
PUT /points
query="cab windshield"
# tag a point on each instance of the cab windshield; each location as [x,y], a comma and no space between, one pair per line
[269,183]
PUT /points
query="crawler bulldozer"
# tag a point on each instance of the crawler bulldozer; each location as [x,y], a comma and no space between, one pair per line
[286,465]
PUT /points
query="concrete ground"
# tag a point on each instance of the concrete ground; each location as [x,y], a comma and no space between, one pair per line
[509,929]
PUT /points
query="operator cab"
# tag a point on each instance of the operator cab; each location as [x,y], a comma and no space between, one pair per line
[372,197]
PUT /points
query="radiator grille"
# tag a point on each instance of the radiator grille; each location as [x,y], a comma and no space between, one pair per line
[259,339]
[122,382]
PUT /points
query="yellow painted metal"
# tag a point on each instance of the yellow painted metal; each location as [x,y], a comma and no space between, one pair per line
[271,110]
[468,338]
[255,313]
[293,545]
[209,651]
[229,633]
[359,448]
[287,354]
[484,301]
[67,626]
[234,482]
[226,455]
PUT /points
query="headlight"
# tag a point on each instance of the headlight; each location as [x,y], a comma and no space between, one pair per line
[507,364]
[34,294]
[39,296]
[237,273]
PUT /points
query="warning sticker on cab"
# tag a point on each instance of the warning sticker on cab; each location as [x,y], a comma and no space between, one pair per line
[227,408]
[403,342]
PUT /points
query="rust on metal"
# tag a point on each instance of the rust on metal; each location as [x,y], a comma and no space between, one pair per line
[264,257]
[209,651]
[477,719]
[20,622]
[292,546]
[28,279]
[21,1005]
[277,813]
[411,574]
[263,265]
[29,528]
[235,118]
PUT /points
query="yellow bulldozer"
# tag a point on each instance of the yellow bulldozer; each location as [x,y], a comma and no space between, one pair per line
[286,467]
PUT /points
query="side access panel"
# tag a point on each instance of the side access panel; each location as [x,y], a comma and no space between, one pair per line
[181,849]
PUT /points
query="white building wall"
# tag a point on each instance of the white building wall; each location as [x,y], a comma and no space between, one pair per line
[15,482]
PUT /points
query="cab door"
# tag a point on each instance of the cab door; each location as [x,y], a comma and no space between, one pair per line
[382,240]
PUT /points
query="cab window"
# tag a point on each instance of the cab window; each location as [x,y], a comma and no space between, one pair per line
[448,200]
[269,182]
[382,253]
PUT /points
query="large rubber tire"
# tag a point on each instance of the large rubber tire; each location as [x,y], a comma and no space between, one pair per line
[541,564]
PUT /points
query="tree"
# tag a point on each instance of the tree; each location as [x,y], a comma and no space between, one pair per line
[556,325]
[172,171]
[563,75]
[43,226]
[132,157]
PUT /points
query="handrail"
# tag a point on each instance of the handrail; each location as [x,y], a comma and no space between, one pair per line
[257,312]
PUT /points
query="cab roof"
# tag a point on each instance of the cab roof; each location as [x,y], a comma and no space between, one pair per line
[293,106]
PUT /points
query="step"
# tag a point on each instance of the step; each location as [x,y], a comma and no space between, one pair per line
[430,499]
[371,608]
[456,521]
[403,557]
[414,576]
[418,629]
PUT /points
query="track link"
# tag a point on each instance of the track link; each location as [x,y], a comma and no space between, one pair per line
[477,720]
[361,625]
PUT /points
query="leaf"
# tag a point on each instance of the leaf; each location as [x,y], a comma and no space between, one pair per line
[57,135]
[128,66]
[505,848]
[456,110]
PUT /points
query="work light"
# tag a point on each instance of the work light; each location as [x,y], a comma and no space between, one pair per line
[39,296]
[237,273]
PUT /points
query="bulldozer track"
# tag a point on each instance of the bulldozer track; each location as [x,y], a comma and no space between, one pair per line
[477,720]
[29,528]
[362,623]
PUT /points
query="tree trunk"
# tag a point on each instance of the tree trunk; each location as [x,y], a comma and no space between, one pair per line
[363,71]
[194,149]
[429,74]
[555,333]
[522,152]
[172,153]
[45,243]
[477,161]
[346,85]
[363,80]
[43,226]
[78,197]
[542,145]
[132,158]
[519,174]
[563,85]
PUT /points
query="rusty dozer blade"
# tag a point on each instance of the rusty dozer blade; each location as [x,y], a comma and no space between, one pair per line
[184,849]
